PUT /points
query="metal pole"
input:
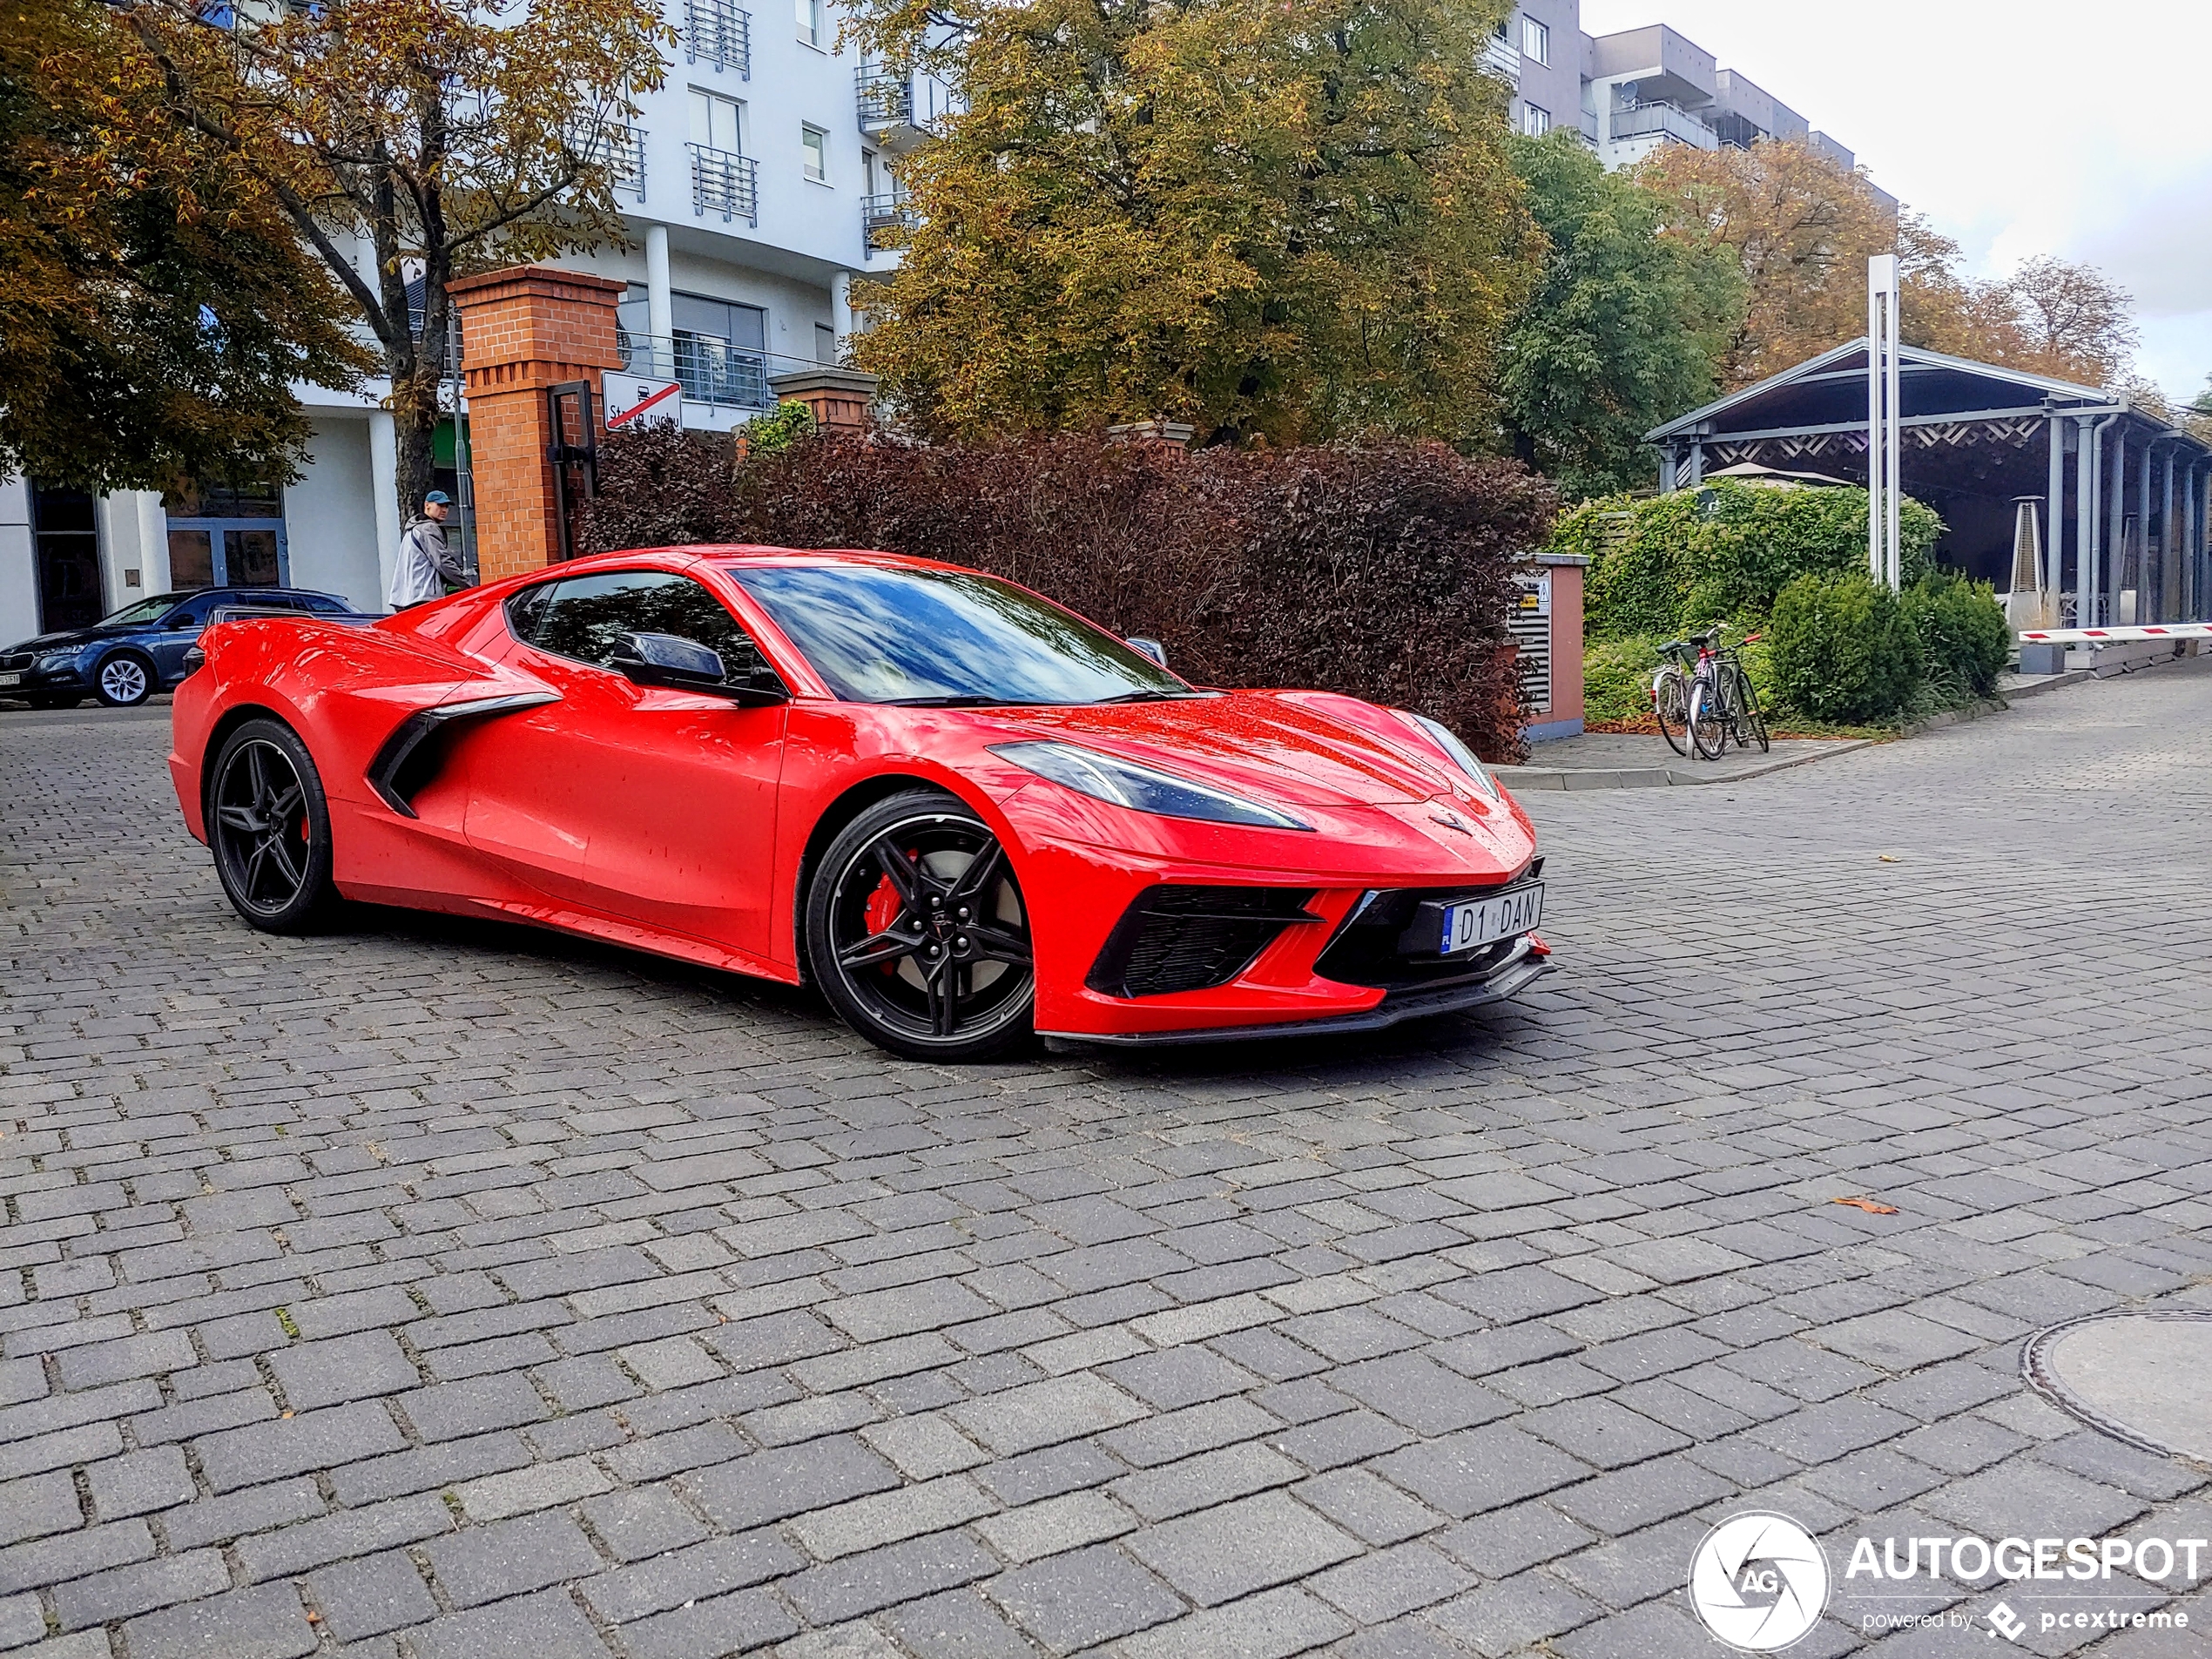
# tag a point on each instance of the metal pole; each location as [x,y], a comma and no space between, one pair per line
[1877,277]
[2115,558]
[2167,541]
[1894,444]
[2054,522]
[2142,530]
[2085,520]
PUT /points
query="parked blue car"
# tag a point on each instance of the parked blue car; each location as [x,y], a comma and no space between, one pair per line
[126,659]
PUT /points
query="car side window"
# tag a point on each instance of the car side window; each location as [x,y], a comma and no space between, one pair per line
[191,614]
[586,616]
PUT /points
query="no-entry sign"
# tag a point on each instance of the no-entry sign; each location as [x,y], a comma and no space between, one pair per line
[636,399]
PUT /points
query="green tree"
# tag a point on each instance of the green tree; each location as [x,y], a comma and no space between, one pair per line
[155,304]
[1291,219]
[409,142]
[1625,329]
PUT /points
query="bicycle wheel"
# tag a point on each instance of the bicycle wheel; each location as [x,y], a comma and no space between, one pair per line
[1708,720]
[1748,717]
[1671,706]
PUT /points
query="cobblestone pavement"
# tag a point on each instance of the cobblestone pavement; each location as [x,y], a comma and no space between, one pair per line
[461,1292]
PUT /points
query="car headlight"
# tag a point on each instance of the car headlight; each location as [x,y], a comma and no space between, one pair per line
[50,660]
[1463,756]
[1109,778]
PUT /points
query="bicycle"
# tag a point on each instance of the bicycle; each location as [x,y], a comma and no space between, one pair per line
[1722,702]
[1670,689]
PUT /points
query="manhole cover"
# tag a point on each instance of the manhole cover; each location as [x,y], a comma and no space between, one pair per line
[2145,1378]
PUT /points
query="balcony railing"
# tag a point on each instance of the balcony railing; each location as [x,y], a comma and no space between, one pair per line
[725,183]
[618,148]
[886,97]
[1671,120]
[1500,60]
[718,32]
[710,369]
[885,221]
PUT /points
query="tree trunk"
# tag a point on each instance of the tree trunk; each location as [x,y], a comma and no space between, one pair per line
[415,432]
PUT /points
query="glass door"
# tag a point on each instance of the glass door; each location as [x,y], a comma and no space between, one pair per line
[223,536]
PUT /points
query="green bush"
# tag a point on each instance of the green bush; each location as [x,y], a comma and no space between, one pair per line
[1965,637]
[1672,564]
[770,435]
[1843,649]
[1616,677]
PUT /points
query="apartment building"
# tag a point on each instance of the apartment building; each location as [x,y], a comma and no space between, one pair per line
[757,182]
[1631,92]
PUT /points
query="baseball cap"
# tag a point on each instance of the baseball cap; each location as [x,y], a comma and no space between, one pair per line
[437,498]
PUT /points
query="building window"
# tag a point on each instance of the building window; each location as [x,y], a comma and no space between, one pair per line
[810,21]
[825,343]
[1535,40]
[813,149]
[718,122]
[1535,122]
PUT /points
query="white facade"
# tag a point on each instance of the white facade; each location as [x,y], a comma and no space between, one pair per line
[739,259]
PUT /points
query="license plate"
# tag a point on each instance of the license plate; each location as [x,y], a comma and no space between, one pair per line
[10,679]
[1485,921]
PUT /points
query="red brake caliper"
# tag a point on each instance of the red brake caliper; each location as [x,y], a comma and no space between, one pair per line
[883,910]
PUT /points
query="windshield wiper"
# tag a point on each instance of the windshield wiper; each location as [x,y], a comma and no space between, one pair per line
[948,700]
[1151,697]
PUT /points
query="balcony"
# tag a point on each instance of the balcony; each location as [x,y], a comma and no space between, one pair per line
[619,149]
[1499,58]
[725,183]
[710,369]
[884,97]
[886,222]
[1668,120]
[718,33]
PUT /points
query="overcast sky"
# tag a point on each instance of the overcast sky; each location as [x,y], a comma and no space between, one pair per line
[2019,127]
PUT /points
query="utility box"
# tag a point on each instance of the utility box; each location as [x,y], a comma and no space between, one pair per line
[2042,658]
[1547,628]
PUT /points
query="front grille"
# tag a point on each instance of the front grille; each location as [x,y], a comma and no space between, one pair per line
[1371,948]
[14,660]
[1192,939]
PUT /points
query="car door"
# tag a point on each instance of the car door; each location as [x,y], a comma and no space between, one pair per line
[654,806]
[175,634]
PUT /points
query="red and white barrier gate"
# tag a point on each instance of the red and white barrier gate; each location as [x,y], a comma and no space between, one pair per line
[2117,635]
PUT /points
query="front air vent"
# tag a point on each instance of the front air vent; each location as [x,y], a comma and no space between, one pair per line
[1193,939]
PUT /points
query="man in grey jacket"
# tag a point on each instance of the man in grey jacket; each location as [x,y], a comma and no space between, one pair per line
[425,568]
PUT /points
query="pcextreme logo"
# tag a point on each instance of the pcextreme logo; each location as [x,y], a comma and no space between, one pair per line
[1760,1581]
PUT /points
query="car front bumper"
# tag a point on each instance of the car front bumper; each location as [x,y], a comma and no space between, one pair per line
[40,682]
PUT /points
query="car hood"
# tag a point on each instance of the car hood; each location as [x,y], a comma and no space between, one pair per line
[70,637]
[1269,745]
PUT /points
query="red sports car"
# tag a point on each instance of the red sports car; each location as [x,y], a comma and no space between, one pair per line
[963,812]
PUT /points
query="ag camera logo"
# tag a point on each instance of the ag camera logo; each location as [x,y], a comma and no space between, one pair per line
[1760,1581]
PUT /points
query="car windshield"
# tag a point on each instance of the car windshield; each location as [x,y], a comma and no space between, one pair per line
[144,610]
[888,634]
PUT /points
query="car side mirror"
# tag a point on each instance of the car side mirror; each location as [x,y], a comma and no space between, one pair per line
[683,665]
[1151,647]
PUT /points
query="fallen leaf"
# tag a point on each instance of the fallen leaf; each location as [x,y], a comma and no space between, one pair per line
[284,1414]
[1891,857]
[1872,1206]
[314,1618]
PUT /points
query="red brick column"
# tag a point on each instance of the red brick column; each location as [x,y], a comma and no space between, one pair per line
[1567,641]
[522,330]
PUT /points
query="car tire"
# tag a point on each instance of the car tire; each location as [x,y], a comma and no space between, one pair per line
[268,825]
[917,933]
[126,678]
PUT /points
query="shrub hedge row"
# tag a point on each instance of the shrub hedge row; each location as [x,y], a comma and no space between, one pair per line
[1383,571]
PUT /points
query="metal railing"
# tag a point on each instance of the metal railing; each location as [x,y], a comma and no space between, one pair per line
[1639,120]
[618,148]
[725,183]
[1501,59]
[718,32]
[885,221]
[885,96]
[711,369]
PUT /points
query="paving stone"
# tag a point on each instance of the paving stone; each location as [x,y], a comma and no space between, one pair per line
[341,1368]
[265,1623]
[642,1522]
[546,1626]
[1064,1408]
[727,1624]
[1083,1598]
[122,1591]
[510,1557]
[699,1573]
[310,1441]
[449,1411]
[1271,1625]
[1480,1468]
[1224,1553]
[39,1505]
[862,1584]
[769,1486]
[350,1532]
[370,1597]
[139,1483]
[957,1624]
[1055,1525]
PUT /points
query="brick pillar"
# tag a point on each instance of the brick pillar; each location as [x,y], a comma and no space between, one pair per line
[840,397]
[522,330]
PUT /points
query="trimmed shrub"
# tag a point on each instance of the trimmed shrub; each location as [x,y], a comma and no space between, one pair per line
[1842,649]
[1675,563]
[1383,570]
[1617,678]
[1965,637]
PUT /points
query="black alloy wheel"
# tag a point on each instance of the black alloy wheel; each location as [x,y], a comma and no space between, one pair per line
[126,679]
[917,933]
[269,826]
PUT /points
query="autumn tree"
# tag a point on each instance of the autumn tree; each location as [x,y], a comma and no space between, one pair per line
[1624,329]
[2074,323]
[409,142]
[155,302]
[1292,219]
